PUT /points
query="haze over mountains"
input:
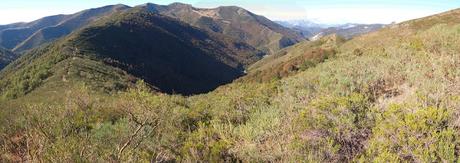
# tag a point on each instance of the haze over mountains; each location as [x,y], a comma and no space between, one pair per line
[24,36]
[175,83]
[313,30]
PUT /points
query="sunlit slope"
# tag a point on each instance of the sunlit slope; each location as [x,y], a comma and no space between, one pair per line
[235,22]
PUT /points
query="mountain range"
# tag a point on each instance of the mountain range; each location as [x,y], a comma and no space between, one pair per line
[233,21]
[313,30]
[172,56]
[19,37]
[236,22]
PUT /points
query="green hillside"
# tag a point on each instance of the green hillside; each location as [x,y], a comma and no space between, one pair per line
[386,96]
[294,59]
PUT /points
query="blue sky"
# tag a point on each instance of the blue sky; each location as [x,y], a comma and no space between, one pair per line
[323,11]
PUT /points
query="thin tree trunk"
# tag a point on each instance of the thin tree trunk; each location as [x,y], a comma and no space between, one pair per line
[120,151]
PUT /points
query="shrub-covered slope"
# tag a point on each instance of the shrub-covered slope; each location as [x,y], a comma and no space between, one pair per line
[294,59]
[387,96]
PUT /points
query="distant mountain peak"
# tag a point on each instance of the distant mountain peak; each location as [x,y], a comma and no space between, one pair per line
[233,21]
[25,36]
[313,30]
[108,7]
[179,4]
[232,7]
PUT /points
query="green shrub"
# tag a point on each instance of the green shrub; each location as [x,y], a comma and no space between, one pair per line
[337,127]
[206,144]
[411,134]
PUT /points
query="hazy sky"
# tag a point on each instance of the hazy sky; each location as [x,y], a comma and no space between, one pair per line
[323,11]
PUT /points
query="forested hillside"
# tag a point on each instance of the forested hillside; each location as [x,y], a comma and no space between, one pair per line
[6,57]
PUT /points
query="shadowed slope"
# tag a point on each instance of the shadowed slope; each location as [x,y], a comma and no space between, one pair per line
[168,54]
[6,57]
